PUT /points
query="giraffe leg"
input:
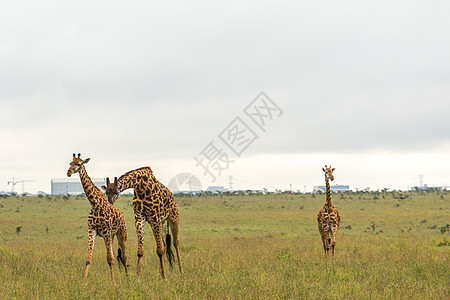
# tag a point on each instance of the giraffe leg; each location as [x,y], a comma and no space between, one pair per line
[157,232]
[139,222]
[122,255]
[322,231]
[91,240]
[109,253]
[333,240]
[336,227]
[329,236]
[324,242]
[173,223]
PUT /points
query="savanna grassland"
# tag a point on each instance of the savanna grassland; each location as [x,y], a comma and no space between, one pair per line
[389,246]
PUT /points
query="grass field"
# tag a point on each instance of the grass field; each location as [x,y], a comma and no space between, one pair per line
[389,246]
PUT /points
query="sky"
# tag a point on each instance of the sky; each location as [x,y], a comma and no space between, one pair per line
[267,92]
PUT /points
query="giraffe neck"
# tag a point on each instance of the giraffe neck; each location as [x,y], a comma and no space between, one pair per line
[92,192]
[133,178]
[328,201]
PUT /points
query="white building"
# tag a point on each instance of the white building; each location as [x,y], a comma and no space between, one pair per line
[70,186]
[334,188]
[216,189]
[425,187]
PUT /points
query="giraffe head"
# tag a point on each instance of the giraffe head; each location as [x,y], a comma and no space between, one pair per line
[111,190]
[76,164]
[328,172]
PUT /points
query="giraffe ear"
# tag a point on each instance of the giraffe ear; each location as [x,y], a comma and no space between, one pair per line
[104,187]
[323,169]
[86,160]
[332,170]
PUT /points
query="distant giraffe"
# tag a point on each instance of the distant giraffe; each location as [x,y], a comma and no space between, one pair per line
[328,218]
[154,203]
[104,219]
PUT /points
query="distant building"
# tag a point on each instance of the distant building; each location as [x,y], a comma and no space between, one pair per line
[334,188]
[216,189]
[425,187]
[256,191]
[70,186]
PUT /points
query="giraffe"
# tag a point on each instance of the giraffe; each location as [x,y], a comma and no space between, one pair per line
[328,218]
[154,203]
[104,219]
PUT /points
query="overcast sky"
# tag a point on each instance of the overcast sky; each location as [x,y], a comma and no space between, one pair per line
[361,85]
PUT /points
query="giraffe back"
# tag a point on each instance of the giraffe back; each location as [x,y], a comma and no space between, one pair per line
[105,217]
[157,199]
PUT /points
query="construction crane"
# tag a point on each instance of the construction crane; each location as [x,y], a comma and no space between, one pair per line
[13,184]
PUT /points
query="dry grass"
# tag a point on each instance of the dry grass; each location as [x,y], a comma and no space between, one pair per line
[236,247]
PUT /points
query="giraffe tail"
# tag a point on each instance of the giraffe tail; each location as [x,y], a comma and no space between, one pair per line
[169,251]
[120,257]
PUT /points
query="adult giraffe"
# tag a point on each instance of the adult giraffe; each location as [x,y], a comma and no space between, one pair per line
[154,203]
[328,218]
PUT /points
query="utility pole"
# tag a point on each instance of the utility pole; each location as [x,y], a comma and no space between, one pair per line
[230,182]
[190,183]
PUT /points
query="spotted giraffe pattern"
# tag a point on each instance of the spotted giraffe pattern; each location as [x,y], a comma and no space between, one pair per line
[154,203]
[105,220]
[328,218]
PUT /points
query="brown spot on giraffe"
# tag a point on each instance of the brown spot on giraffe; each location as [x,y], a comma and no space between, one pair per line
[154,203]
[328,218]
[105,220]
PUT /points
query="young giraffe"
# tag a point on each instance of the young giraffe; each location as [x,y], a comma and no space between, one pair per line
[328,218]
[154,203]
[104,219]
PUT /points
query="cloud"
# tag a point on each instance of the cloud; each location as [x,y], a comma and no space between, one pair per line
[160,81]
